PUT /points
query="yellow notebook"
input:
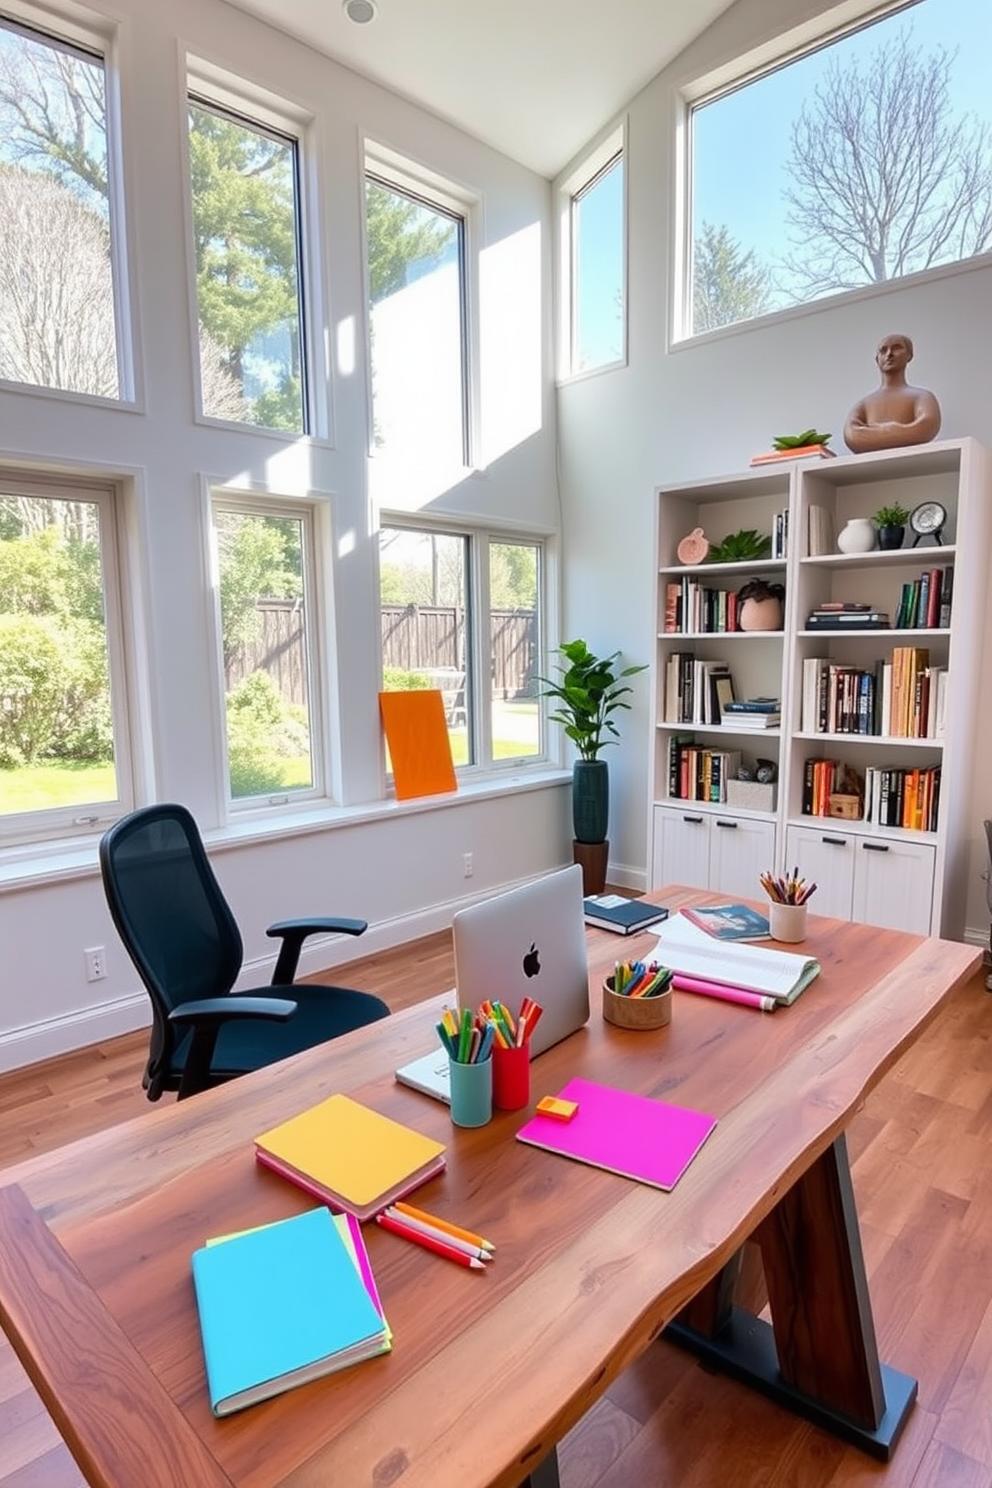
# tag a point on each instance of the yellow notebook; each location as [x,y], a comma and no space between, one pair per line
[352,1157]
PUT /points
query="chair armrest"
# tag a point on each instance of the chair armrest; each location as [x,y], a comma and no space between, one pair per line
[213,1011]
[295,932]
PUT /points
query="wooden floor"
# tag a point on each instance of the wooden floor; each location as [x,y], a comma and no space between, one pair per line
[921,1153]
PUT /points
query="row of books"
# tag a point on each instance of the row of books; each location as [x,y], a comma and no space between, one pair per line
[697,773]
[890,797]
[696,691]
[925,603]
[692,607]
[904,697]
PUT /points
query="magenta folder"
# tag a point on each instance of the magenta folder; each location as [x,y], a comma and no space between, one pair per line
[650,1140]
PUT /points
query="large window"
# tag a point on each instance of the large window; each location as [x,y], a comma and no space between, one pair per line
[265,582]
[862,161]
[417,341]
[461,611]
[59,322]
[245,190]
[594,262]
[64,764]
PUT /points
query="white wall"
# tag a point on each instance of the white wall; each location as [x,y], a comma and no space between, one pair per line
[704,409]
[401,868]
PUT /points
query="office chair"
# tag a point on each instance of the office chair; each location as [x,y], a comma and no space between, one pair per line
[179,931]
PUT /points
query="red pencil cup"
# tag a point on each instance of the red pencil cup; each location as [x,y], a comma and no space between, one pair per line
[511,1077]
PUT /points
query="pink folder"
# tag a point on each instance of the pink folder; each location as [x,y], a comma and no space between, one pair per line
[649,1140]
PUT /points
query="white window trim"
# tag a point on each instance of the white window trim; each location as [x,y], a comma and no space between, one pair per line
[610,145]
[482,534]
[55,825]
[770,55]
[225,90]
[311,511]
[415,178]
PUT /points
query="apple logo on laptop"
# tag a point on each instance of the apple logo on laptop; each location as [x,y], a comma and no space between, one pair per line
[532,961]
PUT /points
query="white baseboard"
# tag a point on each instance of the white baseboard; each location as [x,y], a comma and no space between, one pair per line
[33,1042]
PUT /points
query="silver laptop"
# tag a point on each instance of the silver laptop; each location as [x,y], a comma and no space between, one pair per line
[528,942]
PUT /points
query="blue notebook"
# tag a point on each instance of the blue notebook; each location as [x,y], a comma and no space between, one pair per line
[280,1306]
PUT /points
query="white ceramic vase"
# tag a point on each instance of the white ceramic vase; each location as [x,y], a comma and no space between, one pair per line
[858,536]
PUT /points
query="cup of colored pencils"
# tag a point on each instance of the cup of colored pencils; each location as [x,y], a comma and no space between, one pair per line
[638,995]
[789,894]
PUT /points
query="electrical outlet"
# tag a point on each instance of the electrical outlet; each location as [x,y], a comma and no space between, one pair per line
[467,864]
[96,963]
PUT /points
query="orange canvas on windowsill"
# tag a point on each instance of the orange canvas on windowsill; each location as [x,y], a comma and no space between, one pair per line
[419,747]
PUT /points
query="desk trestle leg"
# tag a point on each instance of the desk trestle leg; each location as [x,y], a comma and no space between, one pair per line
[819,1356]
[545,1475]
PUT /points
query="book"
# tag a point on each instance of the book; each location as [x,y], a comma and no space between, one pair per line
[687,950]
[755,705]
[800,452]
[624,916]
[279,1306]
[648,1140]
[729,921]
[351,1157]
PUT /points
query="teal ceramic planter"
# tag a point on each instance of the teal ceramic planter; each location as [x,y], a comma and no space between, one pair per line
[590,800]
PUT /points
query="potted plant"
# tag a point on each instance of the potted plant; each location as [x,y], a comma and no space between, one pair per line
[589,691]
[891,523]
[760,605]
[744,546]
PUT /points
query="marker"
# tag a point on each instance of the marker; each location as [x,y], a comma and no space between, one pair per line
[442,1224]
[429,1242]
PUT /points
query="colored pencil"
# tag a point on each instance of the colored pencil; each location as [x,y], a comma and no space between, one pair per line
[442,1224]
[428,1242]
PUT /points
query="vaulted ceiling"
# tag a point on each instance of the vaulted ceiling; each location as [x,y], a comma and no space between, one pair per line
[534,78]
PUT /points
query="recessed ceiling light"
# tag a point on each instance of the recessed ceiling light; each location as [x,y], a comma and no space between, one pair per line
[360,11]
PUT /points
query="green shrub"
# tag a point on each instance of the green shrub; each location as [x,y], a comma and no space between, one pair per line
[264,733]
[396,679]
[54,693]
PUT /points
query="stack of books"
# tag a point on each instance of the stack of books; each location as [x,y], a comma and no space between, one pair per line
[837,616]
[753,713]
[284,1304]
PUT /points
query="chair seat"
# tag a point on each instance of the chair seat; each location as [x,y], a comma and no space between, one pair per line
[323,1013]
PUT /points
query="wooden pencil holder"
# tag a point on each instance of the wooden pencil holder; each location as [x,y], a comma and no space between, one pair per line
[638,1013]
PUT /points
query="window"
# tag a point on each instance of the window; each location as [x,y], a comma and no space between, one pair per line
[461,611]
[265,582]
[59,295]
[64,765]
[863,161]
[246,230]
[415,242]
[594,254]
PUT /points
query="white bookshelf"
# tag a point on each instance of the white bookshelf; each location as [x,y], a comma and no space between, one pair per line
[889,875]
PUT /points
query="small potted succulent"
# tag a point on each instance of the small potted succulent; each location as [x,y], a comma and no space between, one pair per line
[760,605]
[891,523]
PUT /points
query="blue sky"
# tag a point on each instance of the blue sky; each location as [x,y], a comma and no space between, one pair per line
[742,141]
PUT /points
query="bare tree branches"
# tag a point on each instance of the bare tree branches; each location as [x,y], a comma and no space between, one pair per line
[885,180]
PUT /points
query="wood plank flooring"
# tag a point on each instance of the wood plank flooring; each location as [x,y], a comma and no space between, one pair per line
[921,1153]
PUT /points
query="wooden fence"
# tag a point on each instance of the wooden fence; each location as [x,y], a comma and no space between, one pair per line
[414,638]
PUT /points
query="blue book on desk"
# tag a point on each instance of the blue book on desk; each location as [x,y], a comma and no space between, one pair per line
[280,1306]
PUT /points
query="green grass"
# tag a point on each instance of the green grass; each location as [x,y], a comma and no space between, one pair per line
[42,787]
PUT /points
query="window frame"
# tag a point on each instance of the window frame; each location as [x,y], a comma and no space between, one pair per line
[610,148]
[95,38]
[480,537]
[781,51]
[311,515]
[399,173]
[61,824]
[214,88]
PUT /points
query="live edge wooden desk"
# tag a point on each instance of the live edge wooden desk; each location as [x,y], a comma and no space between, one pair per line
[488,1370]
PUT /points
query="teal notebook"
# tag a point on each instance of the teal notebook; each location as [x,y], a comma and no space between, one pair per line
[280,1306]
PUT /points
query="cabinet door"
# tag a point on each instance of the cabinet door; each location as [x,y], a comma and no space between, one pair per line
[893,884]
[681,852]
[825,857]
[741,849]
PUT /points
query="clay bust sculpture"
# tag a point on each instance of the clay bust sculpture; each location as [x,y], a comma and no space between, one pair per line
[896,413]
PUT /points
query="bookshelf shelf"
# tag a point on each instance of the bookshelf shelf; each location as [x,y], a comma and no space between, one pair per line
[879,869]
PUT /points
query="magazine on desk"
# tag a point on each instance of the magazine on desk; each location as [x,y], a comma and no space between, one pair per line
[729,921]
[691,952]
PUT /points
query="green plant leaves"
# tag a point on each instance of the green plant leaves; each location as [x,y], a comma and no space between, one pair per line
[588,692]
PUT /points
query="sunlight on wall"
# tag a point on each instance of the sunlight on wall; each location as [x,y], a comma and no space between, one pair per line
[346,337]
[510,320]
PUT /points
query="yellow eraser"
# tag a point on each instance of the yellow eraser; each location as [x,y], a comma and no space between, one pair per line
[553,1105]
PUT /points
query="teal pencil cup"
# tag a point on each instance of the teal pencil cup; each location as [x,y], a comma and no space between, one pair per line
[471,1092]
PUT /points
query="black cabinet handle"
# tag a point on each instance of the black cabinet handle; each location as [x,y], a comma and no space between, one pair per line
[835,841]
[694,819]
[720,823]
[875,846]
